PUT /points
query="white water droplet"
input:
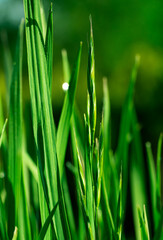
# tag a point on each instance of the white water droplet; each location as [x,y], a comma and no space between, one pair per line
[65,86]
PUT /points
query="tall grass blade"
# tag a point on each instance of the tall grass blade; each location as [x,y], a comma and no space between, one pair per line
[158,173]
[42,110]
[125,127]
[137,174]
[152,183]
[64,123]
[49,45]
[15,134]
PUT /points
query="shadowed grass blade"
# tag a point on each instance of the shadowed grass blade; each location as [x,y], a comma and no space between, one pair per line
[158,173]
[152,183]
[137,174]
[3,230]
[125,127]
[47,223]
[15,134]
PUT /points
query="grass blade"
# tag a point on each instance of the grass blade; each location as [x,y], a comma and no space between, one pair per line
[64,123]
[49,45]
[143,224]
[46,224]
[158,174]
[3,230]
[2,132]
[125,127]
[15,133]
[43,110]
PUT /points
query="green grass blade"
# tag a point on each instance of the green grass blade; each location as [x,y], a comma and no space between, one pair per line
[64,123]
[2,132]
[15,132]
[152,183]
[30,165]
[125,126]
[40,90]
[143,224]
[137,174]
[66,67]
[109,222]
[49,45]
[3,230]
[91,86]
[88,179]
[47,223]
[24,230]
[158,174]
[15,235]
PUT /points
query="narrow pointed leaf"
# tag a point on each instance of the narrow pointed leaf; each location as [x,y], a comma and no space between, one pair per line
[47,223]
[64,123]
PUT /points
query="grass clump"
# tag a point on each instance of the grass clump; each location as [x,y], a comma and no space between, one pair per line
[35,200]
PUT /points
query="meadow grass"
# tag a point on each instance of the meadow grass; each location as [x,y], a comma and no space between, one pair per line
[35,198]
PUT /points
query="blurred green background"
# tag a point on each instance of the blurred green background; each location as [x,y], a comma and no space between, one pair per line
[121,30]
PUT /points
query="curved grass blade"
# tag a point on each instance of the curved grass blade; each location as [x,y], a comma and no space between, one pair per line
[47,223]
[64,123]
[158,173]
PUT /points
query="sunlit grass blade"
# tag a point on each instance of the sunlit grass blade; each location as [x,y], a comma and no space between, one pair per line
[91,87]
[47,223]
[106,110]
[15,133]
[144,232]
[125,127]
[2,132]
[15,235]
[49,45]
[158,173]
[42,111]
[64,123]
